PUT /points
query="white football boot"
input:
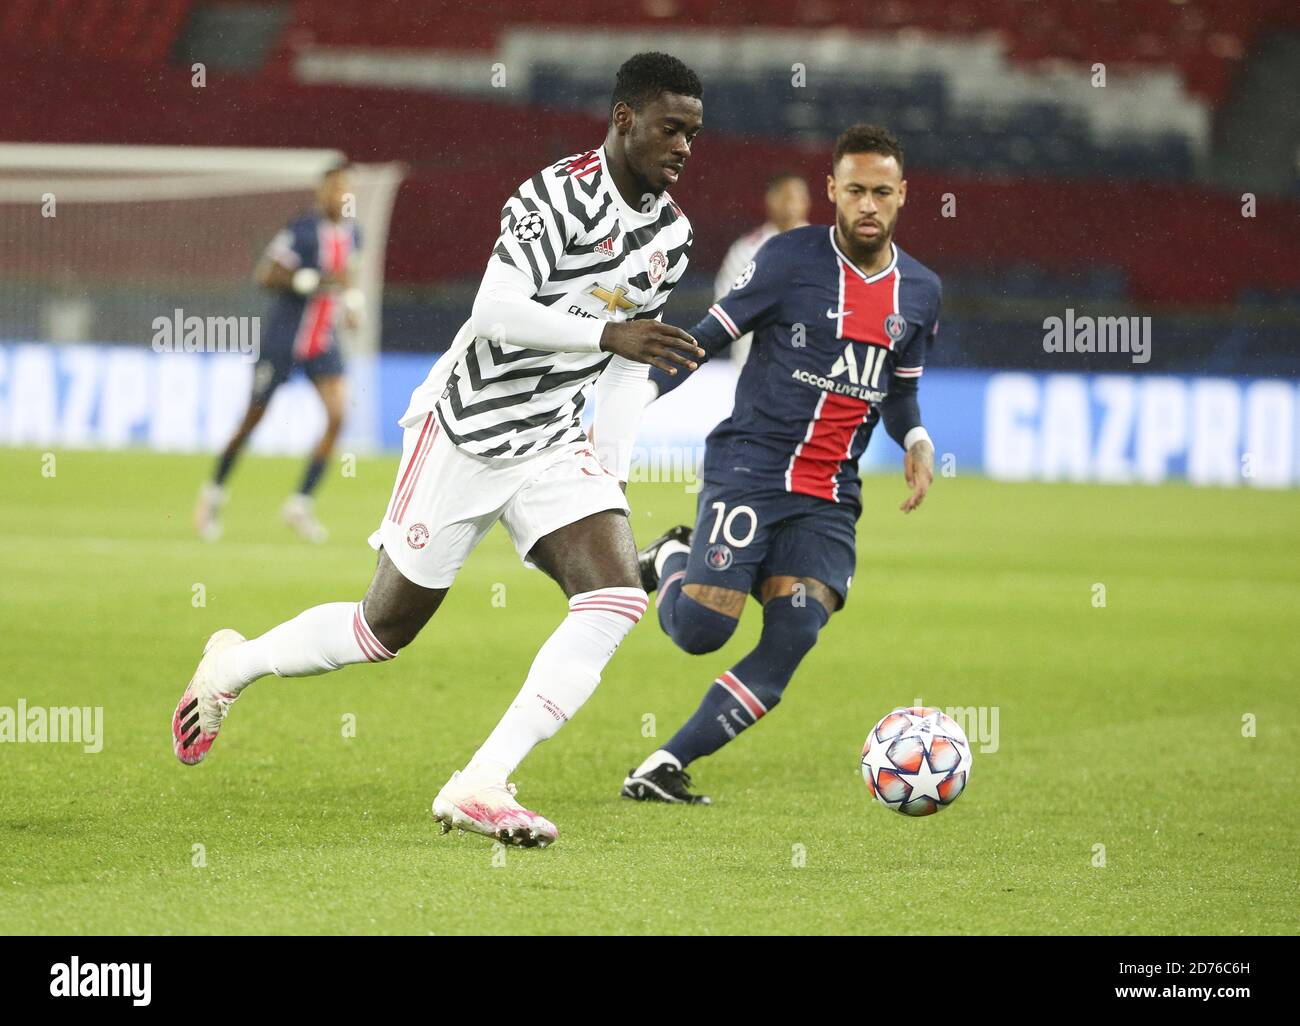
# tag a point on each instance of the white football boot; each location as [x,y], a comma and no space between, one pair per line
[300,513]
[204,705]
[489,807]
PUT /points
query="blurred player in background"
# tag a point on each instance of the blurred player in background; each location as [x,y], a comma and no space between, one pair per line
[589,250]
[842,321]
[309,267]
[786,196]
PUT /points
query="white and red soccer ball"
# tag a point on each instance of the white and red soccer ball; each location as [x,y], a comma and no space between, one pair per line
[916,761]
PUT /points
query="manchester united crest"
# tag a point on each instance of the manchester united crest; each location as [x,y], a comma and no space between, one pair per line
[658,266]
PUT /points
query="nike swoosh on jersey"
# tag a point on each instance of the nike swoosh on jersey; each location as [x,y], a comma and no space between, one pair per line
[835,314]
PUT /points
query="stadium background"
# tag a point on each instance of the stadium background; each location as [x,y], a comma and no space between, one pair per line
[1135,643]
[1034,189]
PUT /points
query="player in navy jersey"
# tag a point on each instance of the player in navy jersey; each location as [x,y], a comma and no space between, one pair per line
[309,269]
[842,321]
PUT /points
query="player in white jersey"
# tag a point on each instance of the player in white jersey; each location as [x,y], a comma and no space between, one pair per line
[589,250]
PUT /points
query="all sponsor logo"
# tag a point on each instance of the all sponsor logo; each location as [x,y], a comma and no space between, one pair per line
[856,373]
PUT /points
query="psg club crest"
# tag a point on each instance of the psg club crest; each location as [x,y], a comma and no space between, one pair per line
[718,557]
[895,326]
[743,278]
[417,536]
[658,267]
[529,228]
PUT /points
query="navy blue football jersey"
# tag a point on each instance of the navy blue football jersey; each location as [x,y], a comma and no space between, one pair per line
[832,348]
[307,323]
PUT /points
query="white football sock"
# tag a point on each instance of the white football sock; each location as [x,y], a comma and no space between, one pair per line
[316,641]
[666,550]
[655,760]
[563,676]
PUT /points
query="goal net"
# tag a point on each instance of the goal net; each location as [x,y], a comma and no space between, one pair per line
[101,240]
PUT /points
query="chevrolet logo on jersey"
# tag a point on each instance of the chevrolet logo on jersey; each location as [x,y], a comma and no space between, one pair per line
[614,301]
[853,375]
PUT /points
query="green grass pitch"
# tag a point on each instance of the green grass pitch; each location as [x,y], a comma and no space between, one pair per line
[1124,726]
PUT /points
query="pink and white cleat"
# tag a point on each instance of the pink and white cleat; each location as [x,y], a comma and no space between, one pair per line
[488,807]
[201,709]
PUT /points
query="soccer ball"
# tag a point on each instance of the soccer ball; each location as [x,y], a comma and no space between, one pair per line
[916,761]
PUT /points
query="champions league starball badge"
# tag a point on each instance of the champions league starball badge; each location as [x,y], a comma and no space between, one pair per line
[529,228]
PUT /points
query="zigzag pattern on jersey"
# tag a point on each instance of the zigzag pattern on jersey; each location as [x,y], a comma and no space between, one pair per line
[558,228]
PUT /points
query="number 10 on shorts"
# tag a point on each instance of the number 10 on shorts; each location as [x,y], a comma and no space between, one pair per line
[724,523]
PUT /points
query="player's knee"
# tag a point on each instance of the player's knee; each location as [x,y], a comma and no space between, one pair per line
[699,630]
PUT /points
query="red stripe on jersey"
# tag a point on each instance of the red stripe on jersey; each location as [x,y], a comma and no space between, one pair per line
[723,318]
[313,338]
[868,306]
[584,163]
[316,322]
[816,462]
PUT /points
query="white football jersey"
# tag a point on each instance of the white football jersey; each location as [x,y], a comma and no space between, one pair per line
[588,254]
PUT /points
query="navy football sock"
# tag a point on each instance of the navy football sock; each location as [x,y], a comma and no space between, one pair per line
[225,463]
[312,477]
[694,627]
[751,688]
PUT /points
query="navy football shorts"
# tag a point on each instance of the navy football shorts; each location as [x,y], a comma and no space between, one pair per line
[744,536]
[277,364]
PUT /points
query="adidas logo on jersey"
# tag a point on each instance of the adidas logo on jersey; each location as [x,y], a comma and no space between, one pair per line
[606,247]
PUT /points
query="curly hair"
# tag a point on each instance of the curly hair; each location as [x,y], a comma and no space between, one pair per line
[645,76]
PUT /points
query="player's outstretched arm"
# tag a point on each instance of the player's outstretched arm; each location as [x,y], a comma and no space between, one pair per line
[651,341]
[710,340]
[505,312]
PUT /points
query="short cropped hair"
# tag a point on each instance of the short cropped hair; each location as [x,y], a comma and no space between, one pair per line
[867,139]
[646,76]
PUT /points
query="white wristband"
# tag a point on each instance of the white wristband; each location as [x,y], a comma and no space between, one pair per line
[917,434]
[354,300]
[305,280]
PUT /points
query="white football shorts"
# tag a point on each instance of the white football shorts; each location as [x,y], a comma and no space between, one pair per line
[445,500]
